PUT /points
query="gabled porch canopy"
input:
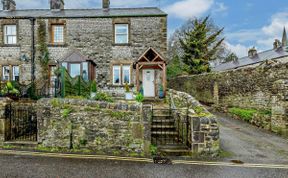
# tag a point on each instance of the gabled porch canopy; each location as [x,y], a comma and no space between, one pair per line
[150,59]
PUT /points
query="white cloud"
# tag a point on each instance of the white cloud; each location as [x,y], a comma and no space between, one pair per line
[185,9]
[263,37]
[219,7]
[239,49]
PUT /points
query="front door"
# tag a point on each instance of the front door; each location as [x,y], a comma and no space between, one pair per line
[148,83]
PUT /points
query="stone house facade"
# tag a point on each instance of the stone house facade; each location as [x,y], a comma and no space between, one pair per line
[114,46]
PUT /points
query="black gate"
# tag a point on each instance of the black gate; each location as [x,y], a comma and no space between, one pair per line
[21,122]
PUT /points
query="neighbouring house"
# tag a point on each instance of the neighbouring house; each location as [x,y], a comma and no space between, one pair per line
[279,54]
[113,46]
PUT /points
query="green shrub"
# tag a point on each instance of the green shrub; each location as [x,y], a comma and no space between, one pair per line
[245,114]
[139,98]
[94,87]
[153,150]
[66,112]
[9,89]
[101,96]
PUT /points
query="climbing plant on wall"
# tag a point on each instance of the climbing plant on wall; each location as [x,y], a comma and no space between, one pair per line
[43,53]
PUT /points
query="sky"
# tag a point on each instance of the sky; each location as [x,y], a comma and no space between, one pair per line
[247,23]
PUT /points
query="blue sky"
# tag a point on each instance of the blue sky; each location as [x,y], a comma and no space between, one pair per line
[247,22]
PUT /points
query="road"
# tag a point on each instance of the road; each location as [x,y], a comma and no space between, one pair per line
[38,167]
[250,144]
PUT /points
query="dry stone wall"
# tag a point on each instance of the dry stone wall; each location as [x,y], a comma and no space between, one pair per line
[263,88]
[100,127]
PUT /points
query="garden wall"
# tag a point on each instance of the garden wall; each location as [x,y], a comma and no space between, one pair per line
[264,88]
[99,127]
[203,128]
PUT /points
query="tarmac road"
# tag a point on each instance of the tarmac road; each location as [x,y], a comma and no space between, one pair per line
[38,167]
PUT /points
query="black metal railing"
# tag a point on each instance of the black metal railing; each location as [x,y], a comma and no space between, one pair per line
[171,126]
[21,122]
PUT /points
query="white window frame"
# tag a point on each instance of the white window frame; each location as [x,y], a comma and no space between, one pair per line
[116,34]
[125,67]
[3,73]
[119,73]
[13,73]
[55,34]
[7,34]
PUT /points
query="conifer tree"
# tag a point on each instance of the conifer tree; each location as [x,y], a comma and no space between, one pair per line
[200,45]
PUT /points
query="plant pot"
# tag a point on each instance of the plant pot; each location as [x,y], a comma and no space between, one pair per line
[93,94]
[129,96]
[161,94]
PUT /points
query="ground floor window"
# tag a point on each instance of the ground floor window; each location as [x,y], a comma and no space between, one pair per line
[121,74]
[84,69]
[7,72]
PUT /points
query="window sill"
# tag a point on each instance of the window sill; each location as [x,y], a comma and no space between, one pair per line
[58,45]
[122,44]
[10,45]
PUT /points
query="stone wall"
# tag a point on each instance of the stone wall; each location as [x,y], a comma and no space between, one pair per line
[3,103]
[203,128]
[103,128]
[263,88]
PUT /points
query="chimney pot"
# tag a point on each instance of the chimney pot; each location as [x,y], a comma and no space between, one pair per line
[57,4]
[9,5]
[106,4]
[252,52]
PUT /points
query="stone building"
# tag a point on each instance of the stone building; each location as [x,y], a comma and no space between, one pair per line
[279,54]
[114,46]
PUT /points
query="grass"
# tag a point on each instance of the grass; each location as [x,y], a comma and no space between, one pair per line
[247,114]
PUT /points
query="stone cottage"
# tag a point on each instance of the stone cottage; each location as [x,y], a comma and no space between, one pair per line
[113,46]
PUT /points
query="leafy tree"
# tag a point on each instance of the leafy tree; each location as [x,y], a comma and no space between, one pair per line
[200,44]
[175,68]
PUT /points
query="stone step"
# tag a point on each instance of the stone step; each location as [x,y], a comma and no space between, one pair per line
[159,126]
[163,120]
[164,133]
[175,152]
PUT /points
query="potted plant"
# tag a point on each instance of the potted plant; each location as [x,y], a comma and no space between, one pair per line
[128,93]
[161,91]
[93,89]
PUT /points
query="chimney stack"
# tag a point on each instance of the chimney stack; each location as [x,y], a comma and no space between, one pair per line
[9,5]
[252,53]
[106,4]
[56,4]
[277,44]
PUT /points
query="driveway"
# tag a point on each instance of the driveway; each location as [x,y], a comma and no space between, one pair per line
[250,144]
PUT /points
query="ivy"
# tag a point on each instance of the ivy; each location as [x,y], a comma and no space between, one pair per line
[43,56]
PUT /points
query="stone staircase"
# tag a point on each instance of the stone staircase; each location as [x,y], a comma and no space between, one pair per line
[165,134]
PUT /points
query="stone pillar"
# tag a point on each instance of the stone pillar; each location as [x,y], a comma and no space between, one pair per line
[3,103]
[147,120]
[279,118]
[216,93]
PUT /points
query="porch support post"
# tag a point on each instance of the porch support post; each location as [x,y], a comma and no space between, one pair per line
[137,77]
[164,79]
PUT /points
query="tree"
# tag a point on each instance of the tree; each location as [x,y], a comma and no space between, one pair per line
[231,57]
[200,42]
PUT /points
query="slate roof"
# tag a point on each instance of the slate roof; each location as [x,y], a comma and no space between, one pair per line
[246,61]
[82,13]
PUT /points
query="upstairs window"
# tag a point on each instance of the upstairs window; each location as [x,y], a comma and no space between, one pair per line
[121,33]
[10,34]
[57,34]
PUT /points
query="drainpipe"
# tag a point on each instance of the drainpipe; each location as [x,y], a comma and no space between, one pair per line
[32,20]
